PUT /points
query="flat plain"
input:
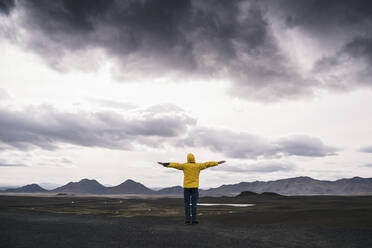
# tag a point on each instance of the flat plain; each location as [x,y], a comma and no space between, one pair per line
[274,221]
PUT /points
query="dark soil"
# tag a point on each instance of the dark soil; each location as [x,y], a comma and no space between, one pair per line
[275,221]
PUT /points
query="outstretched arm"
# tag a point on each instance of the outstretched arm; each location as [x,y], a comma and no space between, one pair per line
[172,165]
[210,164]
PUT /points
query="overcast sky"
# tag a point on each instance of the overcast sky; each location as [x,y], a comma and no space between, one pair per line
[103,89]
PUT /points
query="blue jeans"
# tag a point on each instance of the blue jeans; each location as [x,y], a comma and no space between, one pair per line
[194,194]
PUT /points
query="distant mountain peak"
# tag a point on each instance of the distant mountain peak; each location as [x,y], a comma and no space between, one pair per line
[84,186]
[86,180]
[29,188]
[129,186]
[173,190]
[130,181]
[357,178]
[301,178]
[305,177]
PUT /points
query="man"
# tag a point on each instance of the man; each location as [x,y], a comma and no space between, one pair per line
[191,171]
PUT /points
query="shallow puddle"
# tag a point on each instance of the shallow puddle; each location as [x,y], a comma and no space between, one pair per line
[226,204]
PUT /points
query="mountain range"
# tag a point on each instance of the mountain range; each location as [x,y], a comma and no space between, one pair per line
[289,186]
[298,186]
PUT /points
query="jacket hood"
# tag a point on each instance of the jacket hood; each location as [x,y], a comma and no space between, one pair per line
[190,158]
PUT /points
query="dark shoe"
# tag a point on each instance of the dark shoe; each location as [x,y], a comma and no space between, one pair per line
[187,222]
[195,222]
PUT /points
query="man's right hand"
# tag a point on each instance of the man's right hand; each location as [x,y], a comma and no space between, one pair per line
[221,162]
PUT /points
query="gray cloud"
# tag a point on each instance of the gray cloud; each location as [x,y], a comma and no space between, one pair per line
[45,127]
[367,149]
[261,167]
[6,6]
[11,165]
[244,145]
[234,41]
[349,67]
[302,145]
[368,165]
[229,40]
[143,34]
[360,47]
[325,19]
[340,25]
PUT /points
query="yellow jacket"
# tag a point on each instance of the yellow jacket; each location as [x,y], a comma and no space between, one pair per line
[191,170]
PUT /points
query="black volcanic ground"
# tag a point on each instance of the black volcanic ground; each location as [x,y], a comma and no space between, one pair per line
[275,221]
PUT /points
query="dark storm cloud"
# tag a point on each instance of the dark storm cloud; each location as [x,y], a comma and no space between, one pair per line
[367,149]
[227,40]
[234,41]
[349,67]
[336,24]
[261,167]
[145,34]
[47,128]
[244,145]
[6,6]
[321,18]
[360,47]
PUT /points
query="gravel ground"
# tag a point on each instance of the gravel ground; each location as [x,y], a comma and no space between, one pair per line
[346,222]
